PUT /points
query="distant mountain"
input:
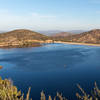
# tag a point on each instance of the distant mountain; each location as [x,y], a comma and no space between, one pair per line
[2,31]
[77,31]
[49,32]
[62,34]
[53,32]
[21,37]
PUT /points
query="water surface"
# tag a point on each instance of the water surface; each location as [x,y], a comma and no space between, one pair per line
[52,68]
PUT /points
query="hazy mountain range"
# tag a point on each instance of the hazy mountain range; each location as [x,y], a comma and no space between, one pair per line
[62,34]
[53,32]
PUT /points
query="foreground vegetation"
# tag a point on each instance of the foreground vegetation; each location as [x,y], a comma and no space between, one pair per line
[10,92]
[95,95]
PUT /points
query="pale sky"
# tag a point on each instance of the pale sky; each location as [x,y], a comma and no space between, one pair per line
[49,14]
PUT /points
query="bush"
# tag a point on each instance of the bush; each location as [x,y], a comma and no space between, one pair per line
[10,92]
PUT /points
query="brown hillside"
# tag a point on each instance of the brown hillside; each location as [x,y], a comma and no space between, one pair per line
[21,37]
[92,36]
[22,34]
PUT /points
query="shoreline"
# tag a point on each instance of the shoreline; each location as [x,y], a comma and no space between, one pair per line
[29,43]
[20,46]
[39,44]
[74,43]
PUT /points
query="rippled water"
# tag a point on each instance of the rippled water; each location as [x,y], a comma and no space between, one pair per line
[52,68]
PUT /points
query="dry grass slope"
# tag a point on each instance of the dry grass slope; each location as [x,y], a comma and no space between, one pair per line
[21,38]
[92,37]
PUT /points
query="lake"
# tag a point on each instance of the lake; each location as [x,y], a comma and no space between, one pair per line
[52,68]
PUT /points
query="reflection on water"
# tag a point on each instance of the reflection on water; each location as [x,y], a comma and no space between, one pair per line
[52,67]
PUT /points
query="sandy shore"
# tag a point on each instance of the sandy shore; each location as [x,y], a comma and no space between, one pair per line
[74,43]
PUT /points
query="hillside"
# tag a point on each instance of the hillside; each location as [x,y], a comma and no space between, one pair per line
[92,36]
[22,38]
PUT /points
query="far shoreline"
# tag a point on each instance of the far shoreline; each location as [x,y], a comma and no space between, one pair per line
[19,46]
[75,43]
[40,44]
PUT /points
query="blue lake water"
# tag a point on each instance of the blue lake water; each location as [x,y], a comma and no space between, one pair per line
[52,68]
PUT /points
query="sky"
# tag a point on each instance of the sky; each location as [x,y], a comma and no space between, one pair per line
[49,14]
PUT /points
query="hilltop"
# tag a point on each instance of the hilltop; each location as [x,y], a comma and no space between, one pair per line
[21,38]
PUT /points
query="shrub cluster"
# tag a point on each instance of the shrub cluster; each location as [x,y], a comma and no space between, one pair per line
[10,92]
